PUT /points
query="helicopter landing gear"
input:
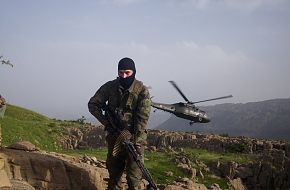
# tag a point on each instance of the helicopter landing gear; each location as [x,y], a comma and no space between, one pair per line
[154,110]
[191,122]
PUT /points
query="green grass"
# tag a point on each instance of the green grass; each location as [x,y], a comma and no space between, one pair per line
[22,124]
[23,114]
[99,153]
[208,156]
[158,163]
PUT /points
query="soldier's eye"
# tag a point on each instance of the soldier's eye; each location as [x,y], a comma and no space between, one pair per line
[128,72]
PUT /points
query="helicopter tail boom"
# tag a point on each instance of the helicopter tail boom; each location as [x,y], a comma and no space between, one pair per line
[164,107]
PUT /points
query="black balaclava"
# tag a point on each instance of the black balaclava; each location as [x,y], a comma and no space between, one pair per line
[127,64]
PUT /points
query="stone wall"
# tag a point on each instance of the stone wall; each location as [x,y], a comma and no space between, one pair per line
[164,139]
[94,137]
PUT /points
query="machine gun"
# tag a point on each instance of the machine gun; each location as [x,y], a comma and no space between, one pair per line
[123,139]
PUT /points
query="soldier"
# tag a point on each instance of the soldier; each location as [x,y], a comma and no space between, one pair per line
[2,106]
[129,98]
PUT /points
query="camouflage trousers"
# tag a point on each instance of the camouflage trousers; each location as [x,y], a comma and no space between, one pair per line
[116,166]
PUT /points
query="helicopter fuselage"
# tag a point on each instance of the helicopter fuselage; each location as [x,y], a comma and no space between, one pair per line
[184,110]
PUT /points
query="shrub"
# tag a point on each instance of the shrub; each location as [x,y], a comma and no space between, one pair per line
[237,148]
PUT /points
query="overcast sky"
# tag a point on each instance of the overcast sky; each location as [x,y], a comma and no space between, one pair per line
[63,51]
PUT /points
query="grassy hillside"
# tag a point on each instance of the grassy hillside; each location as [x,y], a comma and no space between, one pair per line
[22,124]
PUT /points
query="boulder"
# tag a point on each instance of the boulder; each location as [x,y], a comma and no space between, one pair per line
[214,186]
[18,185]
[23,145]
[236,184]
[224,169]
[185,184]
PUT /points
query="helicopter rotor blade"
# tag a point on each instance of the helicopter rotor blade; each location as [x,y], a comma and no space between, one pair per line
[180,92]
[223,97]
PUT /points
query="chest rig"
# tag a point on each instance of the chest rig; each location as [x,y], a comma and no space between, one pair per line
[128,104]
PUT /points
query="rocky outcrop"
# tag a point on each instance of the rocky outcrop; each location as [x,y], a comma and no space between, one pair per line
[270,171]
[44,170]
[31,169]
[86,137]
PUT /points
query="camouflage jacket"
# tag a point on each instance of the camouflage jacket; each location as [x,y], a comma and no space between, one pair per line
[133,106]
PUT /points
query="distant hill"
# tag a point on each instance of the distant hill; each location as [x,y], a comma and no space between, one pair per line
[266,119]
[157,118]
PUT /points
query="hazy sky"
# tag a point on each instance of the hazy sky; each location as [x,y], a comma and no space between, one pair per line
[63,51]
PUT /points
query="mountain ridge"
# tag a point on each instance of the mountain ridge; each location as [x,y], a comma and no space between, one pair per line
[268,119]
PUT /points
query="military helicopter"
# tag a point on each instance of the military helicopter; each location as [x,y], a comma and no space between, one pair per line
[186,110]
